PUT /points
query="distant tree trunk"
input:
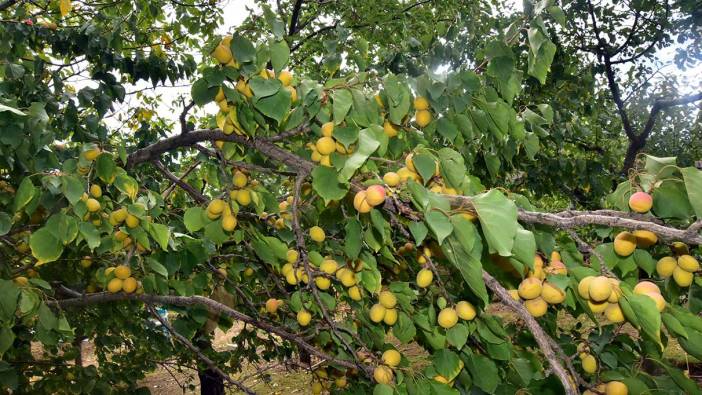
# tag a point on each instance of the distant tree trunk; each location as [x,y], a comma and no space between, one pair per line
[210,383]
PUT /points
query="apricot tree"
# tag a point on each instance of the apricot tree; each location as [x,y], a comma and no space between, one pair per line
[333,219]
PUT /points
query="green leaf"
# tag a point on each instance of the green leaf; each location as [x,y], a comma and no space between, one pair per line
[242,49]
[645,261]
[367,144]
[419,231]
[425,165]
[693,185]
[105,167]
[352,242]
[670,201]
[24,193]
[9,296]
[484,372]
[524,247]
[47,319]
[447,363]
[13,110]
[382,389]
[264,87]
[7,337]
[646,313]
[457,336]
[498,219]
[280,54]
[158,268]
[447,129]
[194,219]
[5,223]
[72,188]
[161,233]
[673,325]
[540,61]
[90,234]
[215,233]
[45,247]
[127,185]
[325,182]
[404,330]
[439,224]
[202,93]
[342,101]
[468,263]
[64,228]
[688,386]
[275,106]
[690,344]
[660,167]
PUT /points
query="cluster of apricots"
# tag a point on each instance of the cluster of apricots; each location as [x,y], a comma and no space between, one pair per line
[535,291]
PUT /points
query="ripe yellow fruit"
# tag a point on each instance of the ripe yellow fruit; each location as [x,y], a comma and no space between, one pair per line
[536,307]
[645,238]
[597,307]
[285,77]
[325,160]
[95,191]
[222,53]
[614,313]
[239,179]
[410,163]
[538,270]
[131,221]
[557,267]
[616,388]
[552,294]
[424,278]
[387,299]
[514,294]
[114,286]
[447,318]
[616,291]
[688,263]
[665,266]
[645,287]
[291,256]
[584,287]
[530,288]
[390,129]
[317,234]
[91,154]
[680,248]
[421,103]
[322,283]
[86,262]
[383,375]
[243,197]
[244,88]
[589,363]
[129,285]
[120,215]
[390,317]
[600,288]
[92,205]
[216,206]
[328,129]
[346,276]
[228,222]
[325,145]
[624,244]
[360,202]
[379,100]
[304,317]
[423,118]
[272,305]
[291,277]
[120,236]
[465,310]
[328,266]
[21,281]
[355,293]
[340,382]
[391,179]
[640,202]
[375,195]
[293,93]
[377,312]
[391,358]
[658,298]
[248,272]
[317,388]
[122,272]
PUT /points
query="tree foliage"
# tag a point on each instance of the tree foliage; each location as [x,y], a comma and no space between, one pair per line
[343,180]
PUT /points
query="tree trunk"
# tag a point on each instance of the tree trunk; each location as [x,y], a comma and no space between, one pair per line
[635,146]
[210,383]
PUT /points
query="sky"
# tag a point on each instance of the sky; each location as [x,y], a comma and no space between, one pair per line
[235,11]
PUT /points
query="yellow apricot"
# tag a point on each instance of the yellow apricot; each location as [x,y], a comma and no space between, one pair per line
[421,103]
[530,288]
[625,244]
[536,307]
[645,287]
[645,238]
[383,375]
[92,205]
[423,118]
[447,318]
[377,313]
[589,363]
[239,179]
[304,317]
[392,179]
[391,358]
[465,310]
[317,234]
[584,287]
[387,299]
[355,293]
[129,285]
[114,286]
[616,388]
[597,307]
[325,145]
[327,129]
[375,195]
[424,278]
[122,272]
[360,202]
[390,129]
[688,263]
[614,313]
[682,277]
[329,266]
[640,202]
[552,294]
[600,288]
[658,298]
[390,317]
[228,222]
[285,77]
[665,266]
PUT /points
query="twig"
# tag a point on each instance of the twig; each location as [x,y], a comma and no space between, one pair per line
[196,195]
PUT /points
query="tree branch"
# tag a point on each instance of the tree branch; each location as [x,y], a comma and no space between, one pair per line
[190,346]
[294,17]
[196,195]
[208,303]
[546,344]
[187,172]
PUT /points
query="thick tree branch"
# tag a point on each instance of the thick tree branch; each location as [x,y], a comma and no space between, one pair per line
[662,104]
[190,346]
[546,344]
[294,17]
[196,195]
[209,304]
[167,192]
